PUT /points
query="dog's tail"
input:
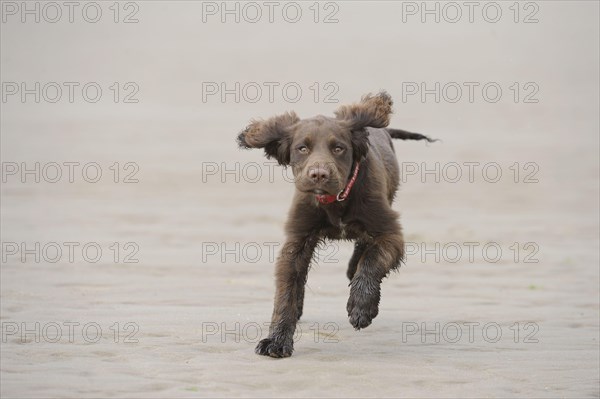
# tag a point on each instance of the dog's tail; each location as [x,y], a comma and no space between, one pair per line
[404,135]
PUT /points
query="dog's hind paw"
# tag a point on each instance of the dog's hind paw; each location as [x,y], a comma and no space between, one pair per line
[270,347]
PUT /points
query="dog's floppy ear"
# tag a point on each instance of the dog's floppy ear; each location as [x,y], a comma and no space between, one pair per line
[371,111]
[272,134]
[360,144]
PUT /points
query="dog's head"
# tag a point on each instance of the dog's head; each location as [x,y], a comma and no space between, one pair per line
[321,150]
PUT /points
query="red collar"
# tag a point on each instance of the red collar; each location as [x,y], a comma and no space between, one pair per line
[326,199]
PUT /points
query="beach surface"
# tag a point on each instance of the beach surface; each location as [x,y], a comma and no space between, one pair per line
[138,241]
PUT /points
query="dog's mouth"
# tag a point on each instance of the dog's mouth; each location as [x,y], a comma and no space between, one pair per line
[320,189]
[328,188]
[317,191]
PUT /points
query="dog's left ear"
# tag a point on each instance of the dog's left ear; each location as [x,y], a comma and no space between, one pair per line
[371,111]
[272,134]
[360,144]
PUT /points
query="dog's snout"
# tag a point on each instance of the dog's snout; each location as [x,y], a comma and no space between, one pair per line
[318,174]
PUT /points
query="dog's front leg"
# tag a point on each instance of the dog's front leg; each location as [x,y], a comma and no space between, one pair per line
[290,274]
[384,254]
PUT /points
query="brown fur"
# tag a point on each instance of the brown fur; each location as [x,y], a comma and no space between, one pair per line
[322,152]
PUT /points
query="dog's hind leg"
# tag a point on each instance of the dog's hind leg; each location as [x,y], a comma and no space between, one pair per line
[359,249]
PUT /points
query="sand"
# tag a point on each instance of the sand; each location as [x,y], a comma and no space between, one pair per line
[179,294]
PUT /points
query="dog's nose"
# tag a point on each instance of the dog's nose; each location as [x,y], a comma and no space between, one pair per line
[318,174]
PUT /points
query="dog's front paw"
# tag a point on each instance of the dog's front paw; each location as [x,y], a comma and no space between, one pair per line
[362,310]
[274,348]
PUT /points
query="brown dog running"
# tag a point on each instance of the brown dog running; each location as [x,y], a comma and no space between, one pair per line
[346,177]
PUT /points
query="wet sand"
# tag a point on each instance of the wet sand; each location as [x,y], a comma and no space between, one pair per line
[176,306]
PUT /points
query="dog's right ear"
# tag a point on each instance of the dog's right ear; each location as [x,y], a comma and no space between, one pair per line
[272,134]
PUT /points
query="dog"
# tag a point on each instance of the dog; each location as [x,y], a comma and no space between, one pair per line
[346,177]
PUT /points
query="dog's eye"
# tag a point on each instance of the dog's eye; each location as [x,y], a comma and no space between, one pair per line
[303,149]
[338,149]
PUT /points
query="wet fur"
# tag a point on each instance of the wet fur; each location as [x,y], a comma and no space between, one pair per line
[366,216]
